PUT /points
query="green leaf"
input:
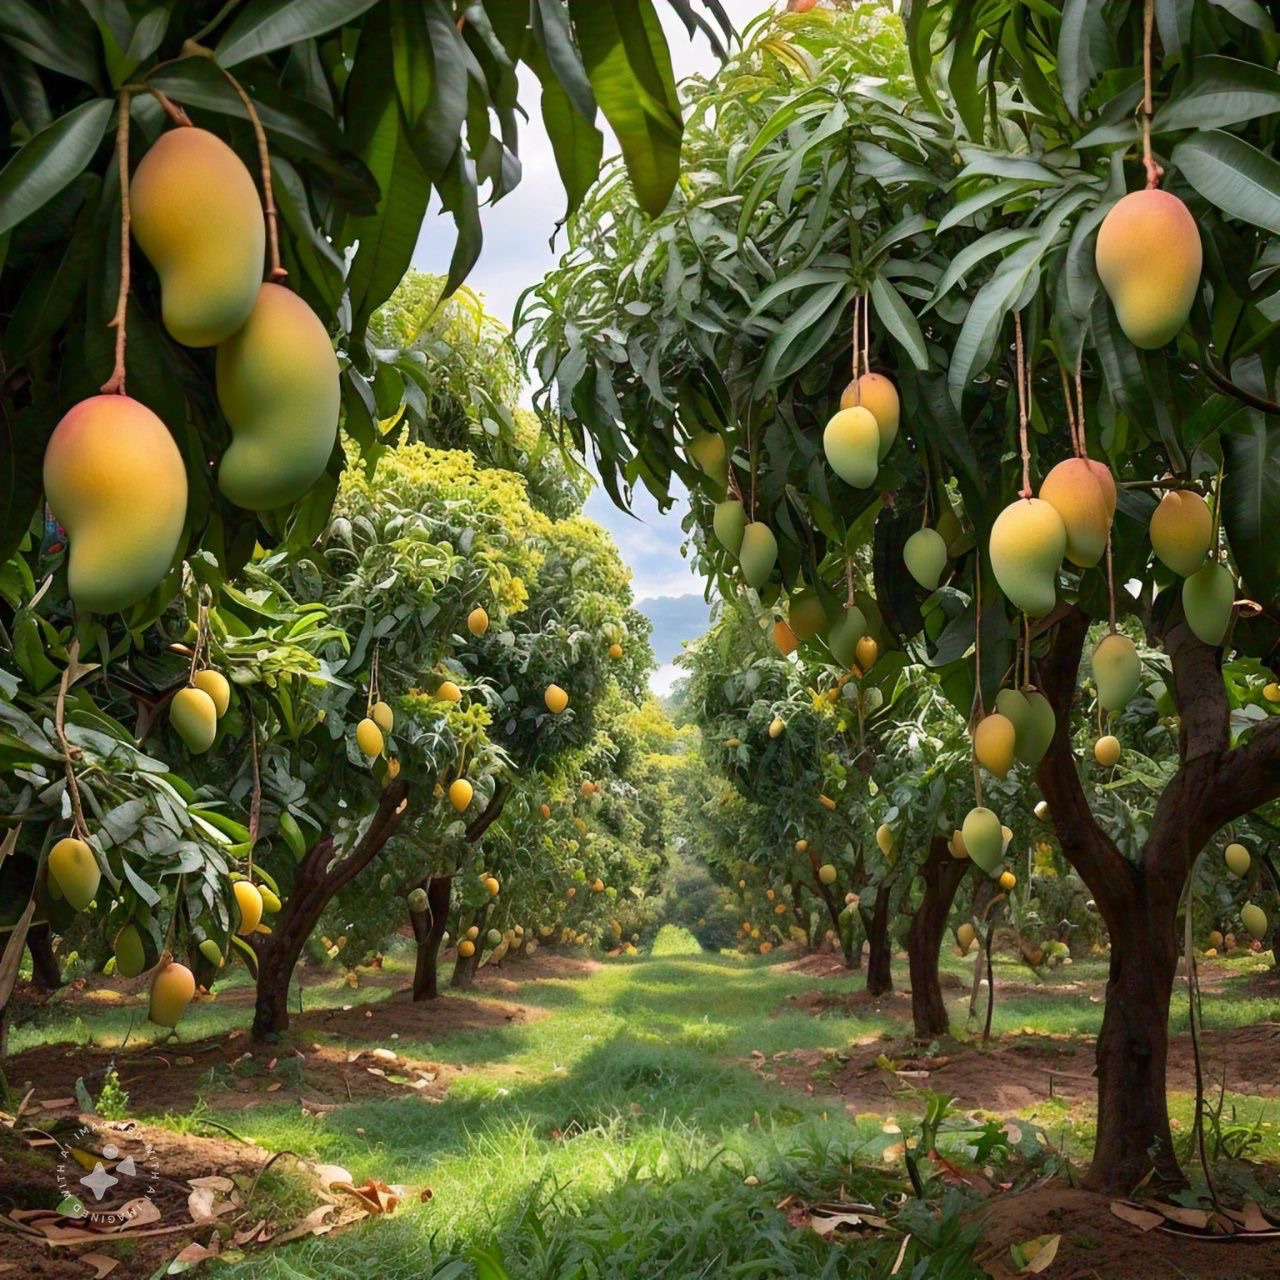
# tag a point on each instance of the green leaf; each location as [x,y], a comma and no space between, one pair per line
[68,46]
[1248,11]
[980,200]
[1222,91]
[629,67]
[51,160]
[551,33]
[1251,503]
[576,142]
[972,254]
[264,25]
[1239,179]
[896,316]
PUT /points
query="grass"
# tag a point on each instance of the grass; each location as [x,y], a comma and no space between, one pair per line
[614,1135]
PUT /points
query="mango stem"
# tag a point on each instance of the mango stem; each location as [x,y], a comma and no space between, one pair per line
[114,386]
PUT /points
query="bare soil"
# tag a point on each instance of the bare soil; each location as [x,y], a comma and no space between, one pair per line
[1096,1245]
[38,1176]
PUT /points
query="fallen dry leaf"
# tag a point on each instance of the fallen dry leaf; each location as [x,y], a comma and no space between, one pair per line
[328,1174]
[194,1253]
[101,1264]
[312,1225]
[1143,1219]
[376,1196]
[247,1234]
[1196,1218]
[56,1104]
[1253,1219]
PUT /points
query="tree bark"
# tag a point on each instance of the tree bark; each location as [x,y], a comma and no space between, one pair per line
[942,875]
[429,930]
[879,945]
[320,875]
[46,972]
[1213,785]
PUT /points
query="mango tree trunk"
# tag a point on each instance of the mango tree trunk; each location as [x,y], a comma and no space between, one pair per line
[320,875]
[1138,899]
[942,875]
[428,930]
[879,944]
[46,972]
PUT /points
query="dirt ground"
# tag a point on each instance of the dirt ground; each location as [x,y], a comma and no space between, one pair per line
[1097,1245]
[158,1211]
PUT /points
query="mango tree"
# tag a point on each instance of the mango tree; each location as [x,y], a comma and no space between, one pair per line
[1044,254]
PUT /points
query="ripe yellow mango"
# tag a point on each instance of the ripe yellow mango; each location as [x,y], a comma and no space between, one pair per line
[460,793]
[1207,598]
[172,989]
[115,480]
[1028,541]
[383,716]
[216,685]
[884,838]
[827,873]
[478,621]
[729,524]
[1117,670]
[75,871]
[1106,751]
[866,652]
[278,387]
[993,743]
[194,718]
[1073,490]
[875,392]
[758,554]
[983,838]
[448,692]
[196,214]
[369,738]
[965,935]
[1182,531]
[1149,258]
[555,698]
[925,554]
[249,904]
[851,441]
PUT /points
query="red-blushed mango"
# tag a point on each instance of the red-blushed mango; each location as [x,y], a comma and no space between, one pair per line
[983,838]
[1182,531]
[1028,541]
[925,554]
[758,554]
[993,742]
[114,479]
[172,989]
[196,214]
[195,718]
[1117,669]
[851,442]
[1207,599]
[875,392]
[75,870]
[844,635]
[1072,490]
[1149,258]
[278,387]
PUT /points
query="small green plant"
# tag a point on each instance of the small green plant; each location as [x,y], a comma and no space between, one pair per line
[113,1099]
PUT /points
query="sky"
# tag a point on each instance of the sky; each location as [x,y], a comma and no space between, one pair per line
[516,254]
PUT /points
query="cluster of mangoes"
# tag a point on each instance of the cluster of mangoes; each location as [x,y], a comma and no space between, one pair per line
[195,711]
[113,474]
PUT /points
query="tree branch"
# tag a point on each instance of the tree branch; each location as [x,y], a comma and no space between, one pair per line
[492,812]
[1199,694]
[1248,777]
[1109,875]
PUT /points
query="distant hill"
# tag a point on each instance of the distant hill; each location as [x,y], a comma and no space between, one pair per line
[675,619]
